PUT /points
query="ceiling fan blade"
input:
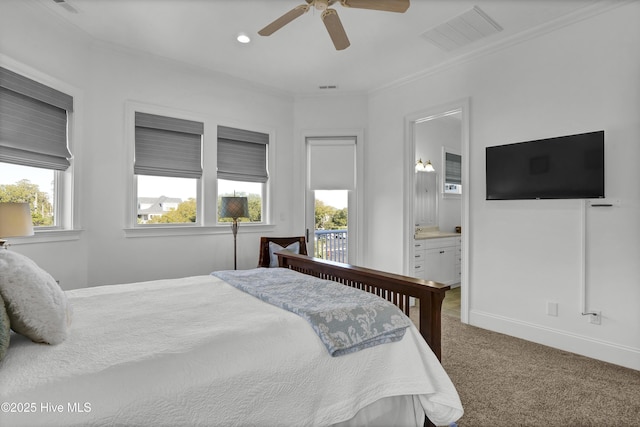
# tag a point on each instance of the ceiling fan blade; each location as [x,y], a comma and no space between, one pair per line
[335,29]
[399,6]
[284,20]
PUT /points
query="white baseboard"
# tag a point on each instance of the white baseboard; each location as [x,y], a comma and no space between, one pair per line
[628,357]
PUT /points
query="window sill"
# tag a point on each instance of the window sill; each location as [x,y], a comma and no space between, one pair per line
[46,236]
[166,231]
[451,195]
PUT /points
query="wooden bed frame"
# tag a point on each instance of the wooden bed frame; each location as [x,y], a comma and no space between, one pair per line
[395,288]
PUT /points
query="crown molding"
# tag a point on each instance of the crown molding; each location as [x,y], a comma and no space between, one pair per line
[587,12]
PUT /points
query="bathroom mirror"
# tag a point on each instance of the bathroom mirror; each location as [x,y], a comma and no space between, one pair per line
[426,199]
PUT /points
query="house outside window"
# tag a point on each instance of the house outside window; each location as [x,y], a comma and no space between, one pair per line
[153,209]
[35,158]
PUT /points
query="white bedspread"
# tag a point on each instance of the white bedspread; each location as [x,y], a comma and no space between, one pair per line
[196,351]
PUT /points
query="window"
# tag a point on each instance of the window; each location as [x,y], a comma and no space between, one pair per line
[452,172]
[167,169]
[242,169]
[331,181]
[34,152]
[155,207]
[33,185]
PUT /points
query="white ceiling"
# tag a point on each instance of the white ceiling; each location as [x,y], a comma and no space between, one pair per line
[385,47]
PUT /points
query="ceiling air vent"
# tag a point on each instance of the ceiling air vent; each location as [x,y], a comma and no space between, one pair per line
[66,6]
[462,30]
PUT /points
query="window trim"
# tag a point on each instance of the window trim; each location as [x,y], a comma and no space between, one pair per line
[131,205]
[67,213]
[193,230]
[267,186]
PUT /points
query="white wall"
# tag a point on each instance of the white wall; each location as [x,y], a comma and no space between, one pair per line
[118,77]
[42,48]
[525,253]
[108,78]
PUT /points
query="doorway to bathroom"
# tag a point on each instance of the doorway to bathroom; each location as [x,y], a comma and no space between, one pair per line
[437,198]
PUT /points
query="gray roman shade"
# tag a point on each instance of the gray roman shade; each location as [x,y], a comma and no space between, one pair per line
[168,147]
[453,168]
[33,123]
[242,155]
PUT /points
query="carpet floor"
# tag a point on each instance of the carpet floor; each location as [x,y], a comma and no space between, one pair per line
[506,381]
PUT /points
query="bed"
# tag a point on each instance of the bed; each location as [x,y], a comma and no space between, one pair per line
[200,351]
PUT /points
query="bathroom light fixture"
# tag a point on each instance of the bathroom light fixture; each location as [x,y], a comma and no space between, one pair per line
[243,38]
[424,167]
[428,167]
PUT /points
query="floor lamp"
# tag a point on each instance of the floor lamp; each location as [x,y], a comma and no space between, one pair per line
[234,208]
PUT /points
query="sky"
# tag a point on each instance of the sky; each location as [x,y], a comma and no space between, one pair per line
[335,198]
[10,174]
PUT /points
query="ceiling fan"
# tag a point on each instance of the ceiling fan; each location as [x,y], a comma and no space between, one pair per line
[330,16]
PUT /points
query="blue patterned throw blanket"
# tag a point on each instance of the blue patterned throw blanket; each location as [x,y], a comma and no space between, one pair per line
[345,319]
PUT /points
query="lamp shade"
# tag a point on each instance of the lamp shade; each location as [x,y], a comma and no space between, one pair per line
[428,167]
[15,220]
[234,207]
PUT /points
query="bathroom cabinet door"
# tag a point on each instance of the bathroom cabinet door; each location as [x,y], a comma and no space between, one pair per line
[439,265]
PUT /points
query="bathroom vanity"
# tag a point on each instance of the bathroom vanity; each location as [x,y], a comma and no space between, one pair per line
[437,255]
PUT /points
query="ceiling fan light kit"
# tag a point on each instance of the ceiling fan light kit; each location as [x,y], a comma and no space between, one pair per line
[330,16]
[321,4]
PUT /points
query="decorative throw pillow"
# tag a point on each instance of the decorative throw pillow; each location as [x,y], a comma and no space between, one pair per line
[274,247]
[5,330]
[37,307]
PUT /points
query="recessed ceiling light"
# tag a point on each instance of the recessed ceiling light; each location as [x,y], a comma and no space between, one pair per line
[243,38]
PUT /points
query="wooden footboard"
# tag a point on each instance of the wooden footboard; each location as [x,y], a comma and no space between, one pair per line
[393,287]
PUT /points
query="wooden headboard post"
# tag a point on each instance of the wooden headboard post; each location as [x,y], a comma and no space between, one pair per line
[395,288]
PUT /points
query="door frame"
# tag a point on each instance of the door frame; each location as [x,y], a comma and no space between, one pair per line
[409,170]
[356,197]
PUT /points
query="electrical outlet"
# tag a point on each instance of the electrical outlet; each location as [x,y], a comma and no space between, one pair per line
[552,308]
[595,318]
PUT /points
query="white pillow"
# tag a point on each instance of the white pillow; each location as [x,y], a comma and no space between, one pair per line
[37,307]
[274,247]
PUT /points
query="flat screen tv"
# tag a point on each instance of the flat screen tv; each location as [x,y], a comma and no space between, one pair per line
[565,167]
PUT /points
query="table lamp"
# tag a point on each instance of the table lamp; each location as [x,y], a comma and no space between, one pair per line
[15,221]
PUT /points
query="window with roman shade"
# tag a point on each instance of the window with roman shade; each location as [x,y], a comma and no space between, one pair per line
[242,155]
[453,168]
[166,146]
[452,174]
[33,123]
[331,163]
